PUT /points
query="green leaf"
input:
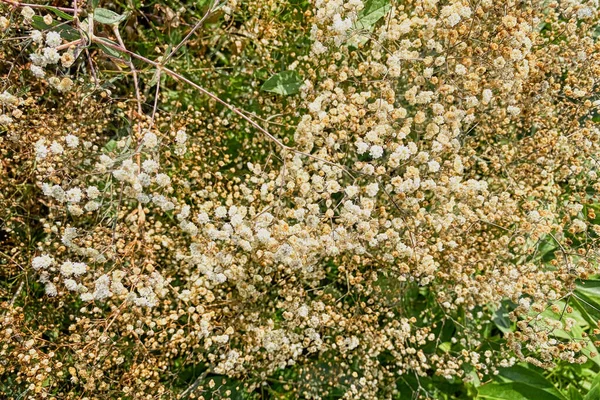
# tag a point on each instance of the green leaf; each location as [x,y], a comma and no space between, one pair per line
[501,319]
[59,13]
[594,393]
[111,145]
[373,11]
[589,287]
[104,16]
[284,83]
[521,374]
[111,51]
[445,347]
[154,79]
[573,393]
[65,31]
[514,391]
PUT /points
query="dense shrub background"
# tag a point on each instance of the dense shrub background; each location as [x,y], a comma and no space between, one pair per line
[300,199]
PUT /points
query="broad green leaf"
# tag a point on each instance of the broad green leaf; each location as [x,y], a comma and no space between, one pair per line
[576,332]
[514,391]
[587,307]
[284,83]
[501,319]
[590,287]
[372,12]
[65,31]
[594,393]
[104,16]
[573,393]
[521,374]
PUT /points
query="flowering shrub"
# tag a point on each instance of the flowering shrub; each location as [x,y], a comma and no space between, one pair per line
[314,199]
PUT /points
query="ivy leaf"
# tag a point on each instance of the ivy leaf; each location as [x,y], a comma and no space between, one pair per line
[284,83]
[104,16]
[372,12]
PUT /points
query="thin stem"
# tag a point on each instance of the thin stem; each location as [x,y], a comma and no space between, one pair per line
[133,71]
[18,4]
[187,392]
[182,78]
[14,298]
[185,39]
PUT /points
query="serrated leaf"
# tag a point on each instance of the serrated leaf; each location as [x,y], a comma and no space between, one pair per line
[284,83]
[65,31]
[108,17]
[372,12]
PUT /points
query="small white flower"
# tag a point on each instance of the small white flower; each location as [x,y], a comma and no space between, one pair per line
[351,191]
[376,151]
[486,96]
[202,218]
[37,71]
[221,212]
[163,180]
[361,147]
[27,13]
[263,235]
[181,137]
[92,192]
[53,39]
[74,195]
[512,110]
[150,166]
[5,119]
[42,262]
[372,189]
[434,166]
[41,151]
[453,19]
[51,56]
[37,37]
[150,139]
[72,141]
[51,289]
[56,148]
[70,284]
